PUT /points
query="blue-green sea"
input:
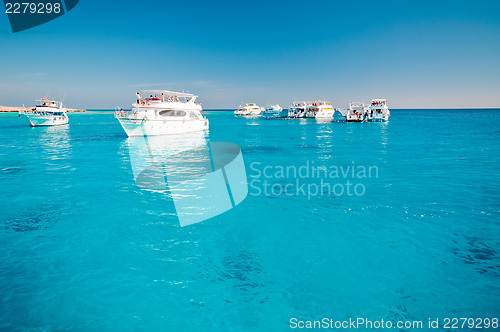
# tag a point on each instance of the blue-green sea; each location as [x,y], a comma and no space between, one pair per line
[83,248]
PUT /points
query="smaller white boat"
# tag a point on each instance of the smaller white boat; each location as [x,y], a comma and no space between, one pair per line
[272,111]
[298,109]
[357,112]
[320,109]
[379,110]
[249,109]
[46,113]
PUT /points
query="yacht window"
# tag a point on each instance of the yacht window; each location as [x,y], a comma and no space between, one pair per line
[173,113]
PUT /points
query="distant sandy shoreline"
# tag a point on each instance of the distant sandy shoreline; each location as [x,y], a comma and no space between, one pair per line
[7,109]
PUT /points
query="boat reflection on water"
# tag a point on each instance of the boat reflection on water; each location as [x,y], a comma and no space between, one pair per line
[152,157]
[203,178]
[55,142]
[384,135]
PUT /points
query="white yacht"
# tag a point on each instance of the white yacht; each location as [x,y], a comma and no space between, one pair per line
[357,112]
[272,111]
[249,109]
[320,109]
[379,110]
[298,109]
[163,112]
[46,113]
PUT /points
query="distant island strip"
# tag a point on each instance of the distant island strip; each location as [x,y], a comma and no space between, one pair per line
[7,109]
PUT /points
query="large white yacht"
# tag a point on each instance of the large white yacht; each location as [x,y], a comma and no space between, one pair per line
[357,112]
[298,109]
[379,110]
[46,113]
[163,112]
[320,109]
[249,109]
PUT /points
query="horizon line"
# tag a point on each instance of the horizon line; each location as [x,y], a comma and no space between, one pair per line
[392,109]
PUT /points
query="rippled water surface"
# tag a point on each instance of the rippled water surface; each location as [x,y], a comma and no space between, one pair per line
[83,248]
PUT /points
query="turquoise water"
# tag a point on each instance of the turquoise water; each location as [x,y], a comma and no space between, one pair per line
[85,249]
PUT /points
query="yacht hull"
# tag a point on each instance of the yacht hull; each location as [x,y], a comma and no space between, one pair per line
[380,119]
[140,127]
[354,118]
[270,115]
[325,114]
[247,113]
[43,120]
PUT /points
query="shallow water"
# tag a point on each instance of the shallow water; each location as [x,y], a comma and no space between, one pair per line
[84,248]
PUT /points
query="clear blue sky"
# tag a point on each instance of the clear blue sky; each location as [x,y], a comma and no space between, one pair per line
[417,54]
